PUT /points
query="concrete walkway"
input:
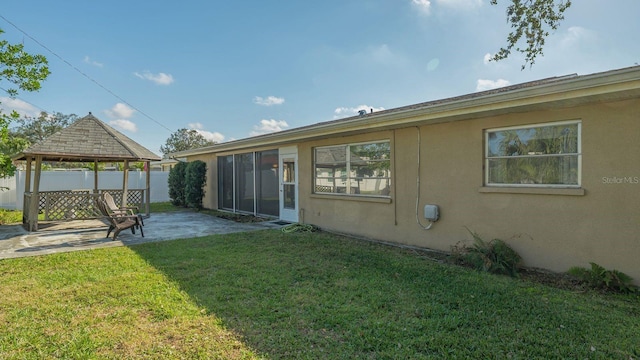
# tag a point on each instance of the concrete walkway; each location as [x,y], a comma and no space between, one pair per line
[90,234]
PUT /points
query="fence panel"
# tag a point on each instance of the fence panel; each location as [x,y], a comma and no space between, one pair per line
[82,180]
[8,193]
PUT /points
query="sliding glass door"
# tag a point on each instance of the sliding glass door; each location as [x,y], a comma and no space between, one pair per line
[248,183]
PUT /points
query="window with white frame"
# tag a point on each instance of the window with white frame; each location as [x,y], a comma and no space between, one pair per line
[354,169]
[542,155]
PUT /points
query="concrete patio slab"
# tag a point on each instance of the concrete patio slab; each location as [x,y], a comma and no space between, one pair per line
[15,241]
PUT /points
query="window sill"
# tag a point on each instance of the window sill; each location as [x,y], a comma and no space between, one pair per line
[371,199]
[535,191]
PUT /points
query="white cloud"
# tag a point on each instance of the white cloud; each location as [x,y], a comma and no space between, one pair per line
[88,60]
[121,113]
[124,124]
[23,108]
[268,101]
[211,136]
[269,126]
[460,4]
[423,5]
[343,112]
[577,35]
[426,6]
[196,126]
[487,58]
[483,84]
[120,110]
[159,78]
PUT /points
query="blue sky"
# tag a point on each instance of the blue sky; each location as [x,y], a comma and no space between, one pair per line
[234,69]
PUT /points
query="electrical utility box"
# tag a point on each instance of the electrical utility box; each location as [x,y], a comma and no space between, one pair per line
[431,212]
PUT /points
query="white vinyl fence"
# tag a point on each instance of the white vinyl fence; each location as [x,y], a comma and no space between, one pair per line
[82,180]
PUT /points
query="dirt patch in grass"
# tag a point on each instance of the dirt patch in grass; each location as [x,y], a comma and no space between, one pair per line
[241,218]
[556,280]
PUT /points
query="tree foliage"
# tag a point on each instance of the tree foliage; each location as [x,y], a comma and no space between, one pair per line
[531,21]
[184,139]
[186,183]
[22,71]
[35,130]
[176,184]
[195,178]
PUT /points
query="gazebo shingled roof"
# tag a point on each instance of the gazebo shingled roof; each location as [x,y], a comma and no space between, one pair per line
[87,140]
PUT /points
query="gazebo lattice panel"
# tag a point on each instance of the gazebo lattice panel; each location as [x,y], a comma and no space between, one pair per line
[80,204]
[135,197]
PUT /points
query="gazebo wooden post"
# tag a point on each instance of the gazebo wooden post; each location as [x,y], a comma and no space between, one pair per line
[125,183]
[147,191]
[27,190]
[95,182]
[95,176]
[32,218]
[27,180]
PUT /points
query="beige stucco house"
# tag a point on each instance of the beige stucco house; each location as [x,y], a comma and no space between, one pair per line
[551,166]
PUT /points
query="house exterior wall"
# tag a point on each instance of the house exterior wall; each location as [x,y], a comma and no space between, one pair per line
[552,229]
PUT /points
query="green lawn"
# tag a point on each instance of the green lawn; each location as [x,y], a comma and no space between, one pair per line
[10,216]
[295,296]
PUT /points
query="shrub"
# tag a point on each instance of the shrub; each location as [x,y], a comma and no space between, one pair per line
[600,278]
[194,180]
[494,256]
[177,184]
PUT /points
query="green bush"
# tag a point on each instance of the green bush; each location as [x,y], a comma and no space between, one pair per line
[494,256]
[600,278]
[194,180]
[177,184]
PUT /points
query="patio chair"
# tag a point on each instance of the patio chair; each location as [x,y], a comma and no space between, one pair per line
[119,221]
[129,210]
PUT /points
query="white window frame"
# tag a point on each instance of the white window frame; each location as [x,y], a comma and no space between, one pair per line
[348,168]
[578,154]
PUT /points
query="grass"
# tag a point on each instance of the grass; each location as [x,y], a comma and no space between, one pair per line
[163,207]
[295,296]
[10,216]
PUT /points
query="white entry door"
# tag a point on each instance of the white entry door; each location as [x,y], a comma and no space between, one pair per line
[288,165]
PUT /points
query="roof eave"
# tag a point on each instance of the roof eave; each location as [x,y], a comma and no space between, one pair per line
[80,158]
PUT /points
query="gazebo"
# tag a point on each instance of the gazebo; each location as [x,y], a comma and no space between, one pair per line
[86,140]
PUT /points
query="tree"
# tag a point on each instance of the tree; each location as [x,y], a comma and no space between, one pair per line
[37,129]
[184,139]
[23,71]
[531,19]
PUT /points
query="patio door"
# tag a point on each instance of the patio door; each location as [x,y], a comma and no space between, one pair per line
[288,165]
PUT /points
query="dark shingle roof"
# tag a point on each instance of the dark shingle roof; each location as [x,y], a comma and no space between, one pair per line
[88,139]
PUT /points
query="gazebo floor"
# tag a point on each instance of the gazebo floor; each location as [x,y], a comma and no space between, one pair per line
[45,226]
